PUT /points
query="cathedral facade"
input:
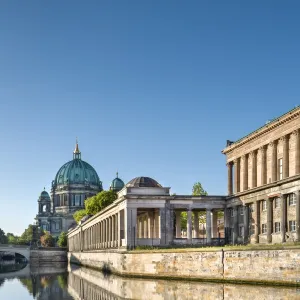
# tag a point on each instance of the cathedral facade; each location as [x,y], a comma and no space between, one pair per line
[74,182]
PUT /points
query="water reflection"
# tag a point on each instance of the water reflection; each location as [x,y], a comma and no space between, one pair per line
[89,284]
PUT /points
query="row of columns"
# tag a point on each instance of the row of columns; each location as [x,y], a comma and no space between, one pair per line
[252,156]
[211,225]
[283,219]
[148,225]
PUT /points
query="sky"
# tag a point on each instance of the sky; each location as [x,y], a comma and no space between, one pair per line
[150,88]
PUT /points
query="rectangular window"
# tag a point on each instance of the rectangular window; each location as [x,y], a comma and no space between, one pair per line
[280,168]
[264,205]
[291,199]
[241,231]
[277,202]
[77,200]
[44,227]
[264,228]
[231,212]
[292,225]
[277,227]
[57,227]
[241,210]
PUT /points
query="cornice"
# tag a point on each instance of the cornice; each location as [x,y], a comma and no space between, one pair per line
[289,116]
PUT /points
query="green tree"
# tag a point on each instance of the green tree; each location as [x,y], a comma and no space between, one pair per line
[3,237]
[95,204]
[47,240]
[198,190]
[62,240]
[12,239]
[79,214]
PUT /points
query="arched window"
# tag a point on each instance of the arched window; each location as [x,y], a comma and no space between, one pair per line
[44,208]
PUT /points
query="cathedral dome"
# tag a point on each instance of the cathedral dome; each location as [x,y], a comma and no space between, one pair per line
[143,182]
[44,196]
[117,184]
[77,171]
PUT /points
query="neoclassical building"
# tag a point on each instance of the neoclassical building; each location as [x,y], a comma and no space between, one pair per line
[75,181]
[264,182]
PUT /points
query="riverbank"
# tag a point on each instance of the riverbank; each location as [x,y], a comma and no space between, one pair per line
[251,266]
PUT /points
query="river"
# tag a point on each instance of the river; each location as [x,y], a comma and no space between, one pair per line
[57,282]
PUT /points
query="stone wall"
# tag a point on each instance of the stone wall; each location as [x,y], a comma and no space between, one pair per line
[282,266]
[48,256]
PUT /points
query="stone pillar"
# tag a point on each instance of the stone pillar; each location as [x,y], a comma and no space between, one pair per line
[189,226]
[230,189]
[119,230]
[257,223]
[162,226]
[245,172]
[151,224]
[208,226]
[130,227]
[283,218]
[196,224]
[106,233]
[246,223]
[236,175]
[113,223]
[297,151]
[263,165]
[269,220]
[297,216]
[145,221]
[214,224]
[273,146]
[235,225]
[254,169]
[178,224]
[285,160]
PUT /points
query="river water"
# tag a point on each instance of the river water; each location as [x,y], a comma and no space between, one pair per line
[57,282]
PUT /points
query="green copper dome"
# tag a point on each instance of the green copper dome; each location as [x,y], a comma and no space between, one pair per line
[44,195]
[117,184]
[77,171]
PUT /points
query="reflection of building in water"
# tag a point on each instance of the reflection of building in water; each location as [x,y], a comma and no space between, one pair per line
[87,284]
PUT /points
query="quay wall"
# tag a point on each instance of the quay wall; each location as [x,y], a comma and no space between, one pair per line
[48,256]
[265,266]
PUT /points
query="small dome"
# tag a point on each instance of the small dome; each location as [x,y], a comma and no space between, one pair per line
[143,182]
[117,184]
[44,196]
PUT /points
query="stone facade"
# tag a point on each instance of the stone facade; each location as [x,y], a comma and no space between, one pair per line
[264,183]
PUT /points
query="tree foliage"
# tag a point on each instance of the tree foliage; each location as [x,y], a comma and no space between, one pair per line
[12,239]
[47,240]
[198,190]
[3,237]
[95,204]
[62,240]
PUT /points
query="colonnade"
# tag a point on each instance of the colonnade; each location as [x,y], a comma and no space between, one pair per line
[250,175]
[148,225]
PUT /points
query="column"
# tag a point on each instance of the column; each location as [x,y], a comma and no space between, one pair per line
[297,151]
[297,215]
[119,230]
[162,226]
[150,224]
[263,165]
[230,189]
[178,224]
[235,225]
[214,224]
[145,227]
[113,231]
[269,220]
[245,172]
[246,223]
[196,224]
[273,146]
[283,218]
[285,160]
[208,226]
[106,233]
[236,175]
[257,223]
[130,227]
[254,169]
[189,226]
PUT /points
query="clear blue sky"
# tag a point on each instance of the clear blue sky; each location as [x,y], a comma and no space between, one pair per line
[151,88]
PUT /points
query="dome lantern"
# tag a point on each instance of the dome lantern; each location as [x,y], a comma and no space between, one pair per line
[117,184]
[76,152]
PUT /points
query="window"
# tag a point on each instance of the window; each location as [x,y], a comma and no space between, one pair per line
[231,212]
[277,202]
[292,199]
[277,226]
[292,225]
[57,227]
[280,168]
[45,227]
[241,208]
[264,228]
[77,200]
[241,231]
[252,229]
[264,205]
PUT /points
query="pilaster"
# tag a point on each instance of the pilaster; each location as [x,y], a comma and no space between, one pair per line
[208,226]
[269,220]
